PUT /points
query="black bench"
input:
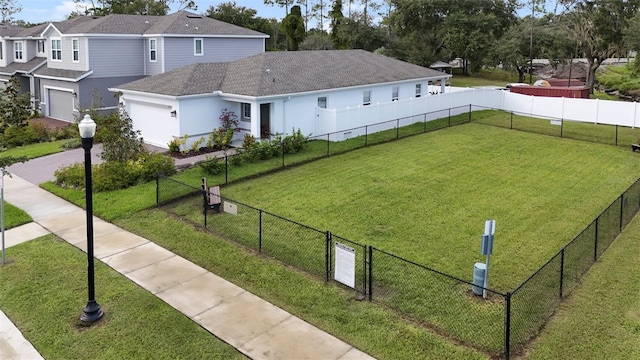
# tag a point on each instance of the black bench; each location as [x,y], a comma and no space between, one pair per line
[635,147]
[212,199]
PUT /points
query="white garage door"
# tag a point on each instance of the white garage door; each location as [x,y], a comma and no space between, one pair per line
[154,122]
[60,104]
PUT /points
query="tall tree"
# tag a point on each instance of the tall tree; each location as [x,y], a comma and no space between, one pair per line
[15,105]
[430,30]
[8,8]
[281,3]
[336,17]
[319,12]
[293,28]
[136,7]
[246,17]
[598,27]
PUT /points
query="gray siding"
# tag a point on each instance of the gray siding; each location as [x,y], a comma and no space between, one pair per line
[178,52]
[95,90]
[30,49]
[153,68]
[67,55]
[117,57]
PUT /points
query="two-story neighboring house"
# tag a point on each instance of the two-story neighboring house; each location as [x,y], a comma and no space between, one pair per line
[68,66]
[21,53]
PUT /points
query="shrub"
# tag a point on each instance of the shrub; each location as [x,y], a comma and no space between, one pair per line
[66,132]
[195,146]
[70,176]
[212,166]
[18,135]
[154,163]
[115,175]
[295,142]
[176,143]
[71,144]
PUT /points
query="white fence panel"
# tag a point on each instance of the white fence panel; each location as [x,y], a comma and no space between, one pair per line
[616,113]
[584,110]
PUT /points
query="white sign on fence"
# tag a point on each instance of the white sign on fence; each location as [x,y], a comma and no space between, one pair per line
[345,265]
[230,208]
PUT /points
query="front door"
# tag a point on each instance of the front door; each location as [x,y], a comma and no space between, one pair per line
[265,121]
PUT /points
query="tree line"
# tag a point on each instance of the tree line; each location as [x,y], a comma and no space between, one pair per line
[479,32]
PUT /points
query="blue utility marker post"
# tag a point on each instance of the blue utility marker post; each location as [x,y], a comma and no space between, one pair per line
[486,248]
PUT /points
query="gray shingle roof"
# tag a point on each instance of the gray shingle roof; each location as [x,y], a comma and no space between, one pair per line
[27,67]
[59,73]
[189,80]
[275,73]
[179,23]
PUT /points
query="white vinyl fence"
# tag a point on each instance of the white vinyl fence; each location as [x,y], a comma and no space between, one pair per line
[350,121]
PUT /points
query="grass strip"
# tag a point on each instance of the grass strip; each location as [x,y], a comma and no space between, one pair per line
[601,318]
[32,151]
[369,327]
[14,216]
[43,291]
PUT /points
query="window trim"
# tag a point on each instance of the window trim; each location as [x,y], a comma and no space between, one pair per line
[366,97]
[195,47]
[243,109]
[153,50]
[418,90]
[395,93]
[75,50]
[56,50]
[16,51]
[324,100]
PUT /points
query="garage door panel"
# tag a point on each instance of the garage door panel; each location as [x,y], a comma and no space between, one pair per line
[60,104]
[154,122]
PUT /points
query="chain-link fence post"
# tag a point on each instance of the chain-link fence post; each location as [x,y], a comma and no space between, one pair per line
[595,242]
[507,325]
[327,256]
[260,231]
[561,272]
[370,273]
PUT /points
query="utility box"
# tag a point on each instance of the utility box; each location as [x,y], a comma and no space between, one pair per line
[479,272]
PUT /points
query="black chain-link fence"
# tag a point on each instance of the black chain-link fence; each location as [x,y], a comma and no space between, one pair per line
[535,300]
[501,324]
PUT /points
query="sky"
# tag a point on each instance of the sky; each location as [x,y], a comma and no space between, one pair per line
[37,11]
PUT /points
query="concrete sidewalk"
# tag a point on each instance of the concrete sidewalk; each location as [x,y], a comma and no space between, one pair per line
[255,327]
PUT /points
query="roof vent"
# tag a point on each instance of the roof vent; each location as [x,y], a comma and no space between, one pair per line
[196,28]
[194,16]
[187,25]
[146,21]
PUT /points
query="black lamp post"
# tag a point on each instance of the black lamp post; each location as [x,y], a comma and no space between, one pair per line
[91,312]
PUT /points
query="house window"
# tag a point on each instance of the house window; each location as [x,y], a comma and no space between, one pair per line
[41,46]
[56,49]
[394,93]
[246,112]
[418,90]
[153,50]
[75,50]
[322,102]
[197,47]
[1,46]
[366,97]
[17,46]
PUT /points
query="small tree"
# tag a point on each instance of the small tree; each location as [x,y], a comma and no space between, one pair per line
[229,124]
[120,142]
[15,106]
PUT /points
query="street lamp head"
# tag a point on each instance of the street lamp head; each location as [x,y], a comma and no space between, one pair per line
[87,127]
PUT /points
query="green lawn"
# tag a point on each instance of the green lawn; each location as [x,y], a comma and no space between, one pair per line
[426,198]
[43,291]
[601,319]
[14,216]
[36,150]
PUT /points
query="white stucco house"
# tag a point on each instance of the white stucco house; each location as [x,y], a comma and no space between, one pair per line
[271,92]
